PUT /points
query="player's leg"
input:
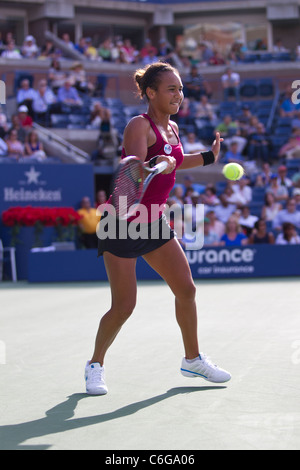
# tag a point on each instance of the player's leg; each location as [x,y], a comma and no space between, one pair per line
[122,278]
[171,263]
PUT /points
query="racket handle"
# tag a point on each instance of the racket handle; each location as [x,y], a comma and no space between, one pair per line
[160,167]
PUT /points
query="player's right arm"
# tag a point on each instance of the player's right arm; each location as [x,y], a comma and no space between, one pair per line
[137,138]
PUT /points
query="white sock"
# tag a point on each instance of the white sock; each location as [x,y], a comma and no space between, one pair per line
[192,360]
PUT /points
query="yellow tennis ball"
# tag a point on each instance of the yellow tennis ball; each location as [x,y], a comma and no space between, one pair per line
[233,171]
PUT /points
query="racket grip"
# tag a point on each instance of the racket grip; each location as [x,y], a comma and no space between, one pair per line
[160,167]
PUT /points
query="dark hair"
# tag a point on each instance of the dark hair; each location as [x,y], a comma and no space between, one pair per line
[149,76]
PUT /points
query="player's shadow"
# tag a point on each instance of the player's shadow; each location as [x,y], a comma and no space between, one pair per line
[58,419]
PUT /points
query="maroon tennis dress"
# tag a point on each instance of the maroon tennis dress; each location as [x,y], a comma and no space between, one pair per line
[156,231]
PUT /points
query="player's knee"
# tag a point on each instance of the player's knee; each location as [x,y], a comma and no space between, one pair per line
[126,310]
[187,292]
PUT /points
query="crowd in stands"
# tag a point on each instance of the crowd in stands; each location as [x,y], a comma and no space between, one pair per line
[120,49]
[263,207]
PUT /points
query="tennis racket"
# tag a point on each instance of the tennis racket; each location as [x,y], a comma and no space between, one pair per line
[130,185]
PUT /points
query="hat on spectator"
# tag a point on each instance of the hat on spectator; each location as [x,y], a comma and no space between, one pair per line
[23,109]
[296,192]
[282,168]
[29,38]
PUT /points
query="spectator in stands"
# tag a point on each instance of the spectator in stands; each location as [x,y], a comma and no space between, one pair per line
[215,224]
[148,46]
[259,144]
[290,214]
[270,208]
[260,45]
[30,49]
[33,147]
[79,79]
[3,123]
[3,148]
[280,192]
[16,124]
[100,117]
[288,236]
[188,182]
[81,46]
[216,58]
[291,149]
[283,179]
[263,178]
[279,47]
[225,209]
[43,103]
[244,118]
[205,111]
[260,235]
[15,147]
[194,85]
[209,196]
[101,197]
[184,115]
[211,238]
[48,50]
[68,95]
[131,52]
[296,196]
[227,127]
[88,224]
[91,52]
[11,51]
[105,50]
[233,235]
[247,220]
[232,155]
[56,76]
[177,196]
[237,52]
[150,58]
[287,107]
[25,95]
[26,121]
[231,84]
[204,53]
[167,53]
[67,41]
[243,190]
[192,144]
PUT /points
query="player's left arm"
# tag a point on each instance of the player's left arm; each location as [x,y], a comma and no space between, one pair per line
[197,159]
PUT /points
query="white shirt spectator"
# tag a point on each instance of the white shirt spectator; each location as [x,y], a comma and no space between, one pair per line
[242,191]
[11,52]
[42,100]
[3,148]
[290,214]
[280,240]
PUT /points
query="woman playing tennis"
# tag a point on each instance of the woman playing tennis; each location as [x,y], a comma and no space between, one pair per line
[153,138]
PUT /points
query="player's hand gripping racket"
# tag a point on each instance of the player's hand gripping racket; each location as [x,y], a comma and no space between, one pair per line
[130,185]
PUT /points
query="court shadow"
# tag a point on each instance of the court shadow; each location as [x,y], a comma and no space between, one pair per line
[58,419]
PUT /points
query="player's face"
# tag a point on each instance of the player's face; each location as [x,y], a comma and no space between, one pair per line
[169,94]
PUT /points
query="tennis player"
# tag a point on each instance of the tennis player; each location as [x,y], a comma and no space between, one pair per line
[153,138]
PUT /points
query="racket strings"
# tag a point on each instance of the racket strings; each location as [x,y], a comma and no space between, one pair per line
[128,187]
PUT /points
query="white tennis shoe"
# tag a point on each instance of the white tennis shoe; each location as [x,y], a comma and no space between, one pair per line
[95,379]
[203,367]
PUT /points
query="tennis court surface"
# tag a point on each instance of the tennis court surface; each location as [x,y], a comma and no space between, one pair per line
[249,327]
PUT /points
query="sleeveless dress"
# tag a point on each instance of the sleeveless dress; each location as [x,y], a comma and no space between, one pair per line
[130,239]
